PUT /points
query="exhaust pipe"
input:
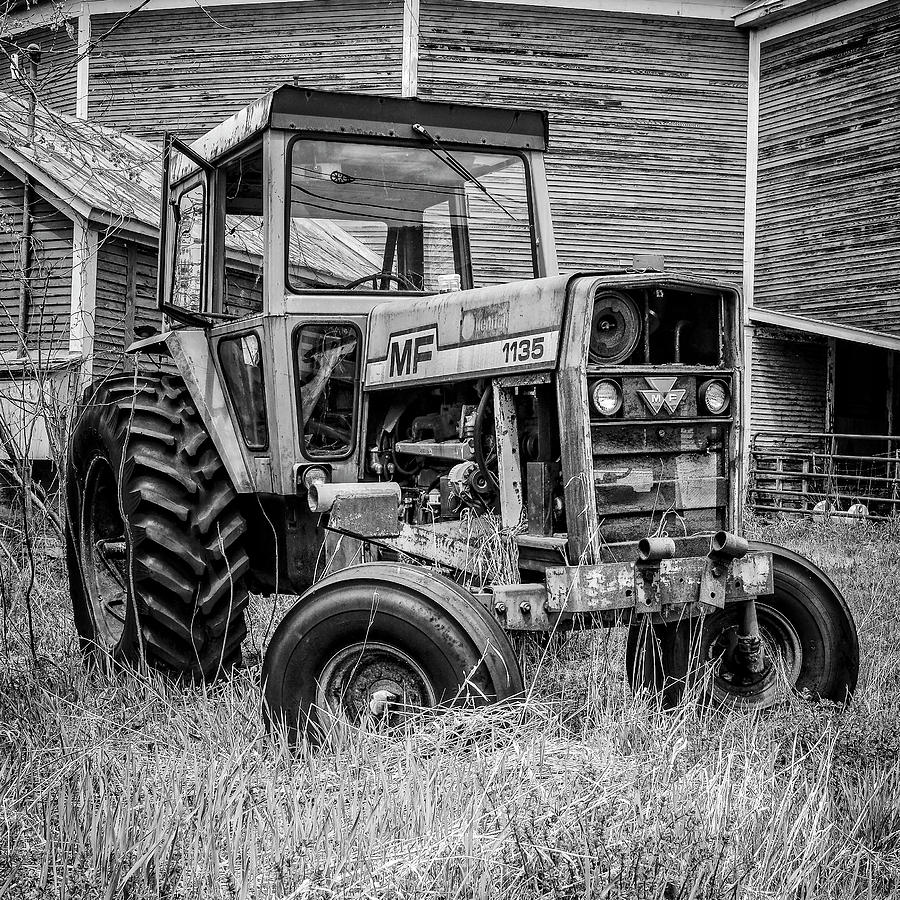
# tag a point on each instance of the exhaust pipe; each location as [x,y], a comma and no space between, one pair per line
[728,545]
[656,548]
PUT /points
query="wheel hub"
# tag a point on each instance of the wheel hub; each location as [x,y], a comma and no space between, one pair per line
[103,554]
[737,671]
[376,680]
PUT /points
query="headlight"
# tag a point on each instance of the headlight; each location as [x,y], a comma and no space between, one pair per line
[715,396]
[607,397]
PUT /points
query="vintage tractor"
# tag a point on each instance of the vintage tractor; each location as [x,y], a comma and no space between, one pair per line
[377,375]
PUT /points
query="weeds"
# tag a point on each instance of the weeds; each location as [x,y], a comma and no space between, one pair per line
[117,784]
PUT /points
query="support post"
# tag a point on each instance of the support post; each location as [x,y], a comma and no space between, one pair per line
[84,293]
[509,467]
[82,72]
[409,80]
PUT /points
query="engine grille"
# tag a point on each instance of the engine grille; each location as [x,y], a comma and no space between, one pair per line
[645,471]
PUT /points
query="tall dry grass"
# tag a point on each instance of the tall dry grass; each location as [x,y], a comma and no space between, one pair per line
[116,784]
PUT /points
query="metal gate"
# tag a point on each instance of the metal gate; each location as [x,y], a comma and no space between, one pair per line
[816,473]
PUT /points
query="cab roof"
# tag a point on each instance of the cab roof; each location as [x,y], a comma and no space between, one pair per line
[367,115]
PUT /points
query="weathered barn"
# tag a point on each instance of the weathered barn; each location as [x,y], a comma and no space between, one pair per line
[73,292]
[752,141]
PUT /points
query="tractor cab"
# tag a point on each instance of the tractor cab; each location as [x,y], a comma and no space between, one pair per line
[323,195]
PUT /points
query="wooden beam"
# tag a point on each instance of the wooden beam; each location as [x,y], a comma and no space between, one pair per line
[826,329]
[410,61]
[748,281]
[830,362]
[721,10]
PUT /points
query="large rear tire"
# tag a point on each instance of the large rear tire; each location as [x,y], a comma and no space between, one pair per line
[376,643]
[155,540]
[808,633]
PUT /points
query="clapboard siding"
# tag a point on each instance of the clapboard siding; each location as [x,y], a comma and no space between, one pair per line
[788,384]
[111,310]
[10,227]
[187,69]
[126,298]
[648,120]
[828,203]
[50,271]
[57,70]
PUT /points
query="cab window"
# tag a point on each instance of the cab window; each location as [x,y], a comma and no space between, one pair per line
[190,228]
[327,360]
[241,361]
[244,234]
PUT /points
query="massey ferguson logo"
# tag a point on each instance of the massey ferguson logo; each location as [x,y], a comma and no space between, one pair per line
[661,394]
[406,352]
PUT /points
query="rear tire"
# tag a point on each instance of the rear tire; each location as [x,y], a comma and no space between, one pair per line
[379,642]
[155,540]
[807,630]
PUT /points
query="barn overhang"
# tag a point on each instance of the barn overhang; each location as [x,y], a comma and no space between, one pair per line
[806,325]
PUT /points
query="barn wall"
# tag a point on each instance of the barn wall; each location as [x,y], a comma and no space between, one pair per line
[187,69]
[10,226]
[648,120]
[50,271]
[56,70]
[125,299]
[788,382]
[828,207]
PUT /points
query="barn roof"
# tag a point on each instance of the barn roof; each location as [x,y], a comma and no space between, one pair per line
[95,172]
[113,180]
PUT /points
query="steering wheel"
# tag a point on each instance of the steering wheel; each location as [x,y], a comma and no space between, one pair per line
[401,280]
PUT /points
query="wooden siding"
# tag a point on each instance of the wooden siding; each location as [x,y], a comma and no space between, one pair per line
[50,271]
[51,279]
[10,228]
[788,383]
[828,216]
[57,70]
[126,298]
[187,69]
[647,129]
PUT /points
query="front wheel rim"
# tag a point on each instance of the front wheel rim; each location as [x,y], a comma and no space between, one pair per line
[783,658]
[103,554]
[373,680]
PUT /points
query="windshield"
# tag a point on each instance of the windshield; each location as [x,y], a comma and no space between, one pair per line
[408,218]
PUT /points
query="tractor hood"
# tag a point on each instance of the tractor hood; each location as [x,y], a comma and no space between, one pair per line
[512,327]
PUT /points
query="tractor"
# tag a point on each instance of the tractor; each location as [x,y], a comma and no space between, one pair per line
[377,393]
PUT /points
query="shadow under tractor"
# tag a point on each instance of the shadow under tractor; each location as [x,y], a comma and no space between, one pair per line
[375,374]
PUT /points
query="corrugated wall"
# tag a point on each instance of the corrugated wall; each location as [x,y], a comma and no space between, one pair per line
[187,69]
[828,217]
[10,217]
[648,121]
[126,297]
[50,271]
[51,279]
[788,383]
[56,71]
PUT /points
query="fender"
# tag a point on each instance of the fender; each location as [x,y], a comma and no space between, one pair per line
[785,559]
[192,356]
[430,586]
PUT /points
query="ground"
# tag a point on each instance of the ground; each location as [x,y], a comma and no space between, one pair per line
[120,784]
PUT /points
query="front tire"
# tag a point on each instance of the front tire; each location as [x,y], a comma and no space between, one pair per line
[808,633]
[378,642]
[155,541]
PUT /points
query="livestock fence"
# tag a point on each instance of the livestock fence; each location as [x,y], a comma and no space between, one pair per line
[824,474]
